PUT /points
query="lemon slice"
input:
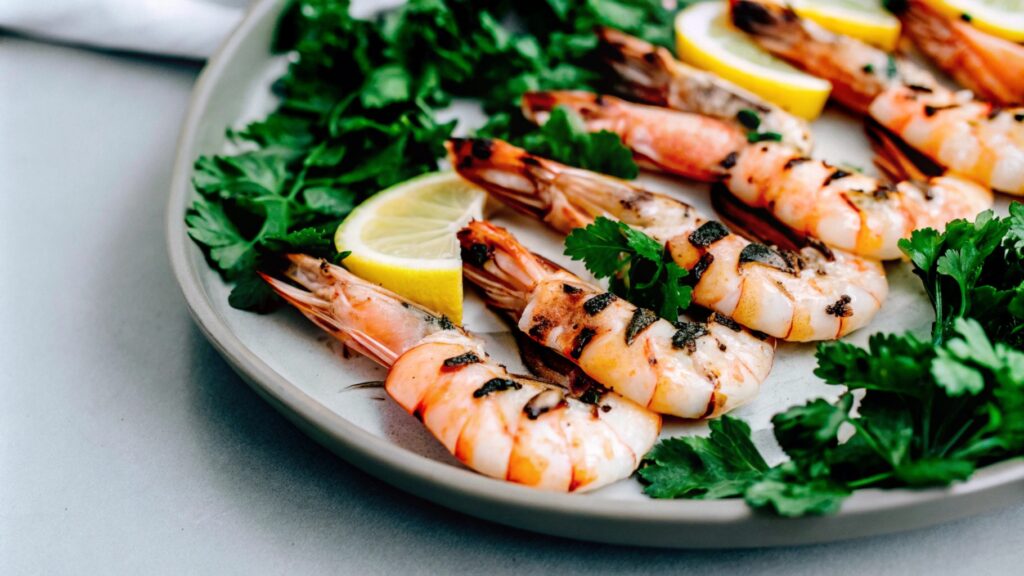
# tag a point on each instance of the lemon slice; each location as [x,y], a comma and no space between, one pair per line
[403,238]
[707,39]
[865,20]
[1003,18]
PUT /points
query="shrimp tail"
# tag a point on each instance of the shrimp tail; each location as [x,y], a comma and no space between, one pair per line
[775,26]
[367,318]
[537,106]
[504,270]
[509,173]
[643,71]
[987,65]
[839,59]
[524,182]
[318,310]
[311,305]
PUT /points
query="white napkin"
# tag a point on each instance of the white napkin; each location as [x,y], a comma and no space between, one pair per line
[182,28]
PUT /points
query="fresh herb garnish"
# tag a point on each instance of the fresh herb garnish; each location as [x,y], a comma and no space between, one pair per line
[564,137]
[932,412]
[976,270]
[754,137]
[640,269]
[358,112]
[750,120]
[890,66]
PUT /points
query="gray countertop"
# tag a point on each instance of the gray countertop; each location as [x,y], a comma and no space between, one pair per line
[128,446]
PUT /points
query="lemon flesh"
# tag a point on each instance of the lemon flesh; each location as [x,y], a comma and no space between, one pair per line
[1002,18]
[865,20]
[403,238]
[707,39]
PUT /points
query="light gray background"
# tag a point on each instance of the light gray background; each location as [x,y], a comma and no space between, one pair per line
[127,446]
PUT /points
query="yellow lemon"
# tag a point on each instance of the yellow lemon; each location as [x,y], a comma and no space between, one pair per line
[865,20]
[1003,18]
[707,39]
[403,238]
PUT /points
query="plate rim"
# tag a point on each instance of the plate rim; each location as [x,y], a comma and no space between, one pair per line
[467,491]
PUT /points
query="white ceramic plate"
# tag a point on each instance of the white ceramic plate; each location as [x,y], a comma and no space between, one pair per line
[299,371]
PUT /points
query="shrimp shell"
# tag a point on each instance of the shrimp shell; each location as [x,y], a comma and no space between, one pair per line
[848,210]
[660,138]
[508,427]
[652,75]
[991,67]
[845,210]
[690,370]
[968,137]
[858,72]
[806,296]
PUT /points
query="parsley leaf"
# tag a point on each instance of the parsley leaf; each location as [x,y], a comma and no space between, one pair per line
[804,430]
[974,269]
[600,246]
[721,465]
[791,490]
[564,137]
[386,85]
[209,225]
[638,266]
[931,412]
[252,293]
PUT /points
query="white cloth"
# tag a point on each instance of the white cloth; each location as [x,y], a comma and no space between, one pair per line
[182,28]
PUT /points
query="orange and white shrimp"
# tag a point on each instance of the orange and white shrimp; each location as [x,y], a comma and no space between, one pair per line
[991,67]
[967,137]
[687,369]
[504,426]
[651,74]
[683,143]
[846,210]
[813,295]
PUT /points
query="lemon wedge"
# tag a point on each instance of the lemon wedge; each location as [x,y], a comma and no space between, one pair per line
[403,238]
[707,39]
[865,20]
[1003,18]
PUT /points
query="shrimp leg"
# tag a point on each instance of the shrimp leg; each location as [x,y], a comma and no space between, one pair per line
[806,296]
[690,369]
[508,427]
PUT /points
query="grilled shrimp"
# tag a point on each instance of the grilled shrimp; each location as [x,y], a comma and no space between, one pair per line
[688,369]
[504,426]
[968,137]
[807,296]
[682,143]
[651,74]
[858,72]
[991,67]
[849,211]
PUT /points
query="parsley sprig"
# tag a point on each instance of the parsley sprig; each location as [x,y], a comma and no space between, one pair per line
[931,411]
[565,138]
[638,267]
[974,269]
